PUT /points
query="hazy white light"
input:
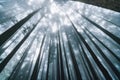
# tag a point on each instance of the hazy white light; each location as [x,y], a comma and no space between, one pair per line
[66,22]
[54,8]
[51,0]
[54,28]
[30,2]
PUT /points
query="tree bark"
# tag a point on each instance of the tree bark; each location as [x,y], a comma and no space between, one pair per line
[109,4]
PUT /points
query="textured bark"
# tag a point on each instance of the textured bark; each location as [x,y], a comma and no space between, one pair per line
[109,4]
